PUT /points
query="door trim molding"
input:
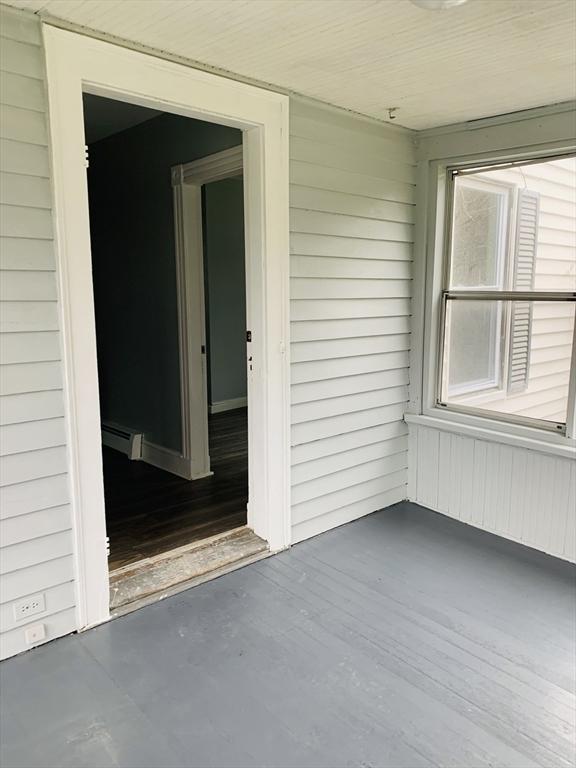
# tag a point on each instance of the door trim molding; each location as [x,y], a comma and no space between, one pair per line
[77,63]
[215,167]
[187,201]
[187,182]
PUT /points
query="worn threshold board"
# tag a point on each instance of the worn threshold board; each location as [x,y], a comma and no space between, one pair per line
[158,577]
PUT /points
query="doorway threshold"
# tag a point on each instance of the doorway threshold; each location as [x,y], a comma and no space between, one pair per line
[156,578]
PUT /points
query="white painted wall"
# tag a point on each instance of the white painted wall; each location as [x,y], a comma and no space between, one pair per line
[225,293]
[36,550]
[352,190]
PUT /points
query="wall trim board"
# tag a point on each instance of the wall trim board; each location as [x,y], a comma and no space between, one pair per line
[503,119]
[483,139]
[228,405]
[523,437]
[76,63]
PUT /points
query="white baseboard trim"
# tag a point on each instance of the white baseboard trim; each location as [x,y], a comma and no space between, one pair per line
[166,459]
[228,405]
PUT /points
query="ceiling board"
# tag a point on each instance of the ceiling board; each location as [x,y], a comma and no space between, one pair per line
[484,58]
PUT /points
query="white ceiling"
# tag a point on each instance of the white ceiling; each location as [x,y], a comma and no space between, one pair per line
[484,58]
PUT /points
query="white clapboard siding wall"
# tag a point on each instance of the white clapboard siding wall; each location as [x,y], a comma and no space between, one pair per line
[35,521]
[351,223]
[521,494]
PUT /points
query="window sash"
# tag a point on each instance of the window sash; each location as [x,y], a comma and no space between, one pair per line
[433,250]
[473,294]
[503,296]
[451,171]
[471,168]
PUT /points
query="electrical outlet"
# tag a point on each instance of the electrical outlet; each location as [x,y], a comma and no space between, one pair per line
[29,607]
[35,634]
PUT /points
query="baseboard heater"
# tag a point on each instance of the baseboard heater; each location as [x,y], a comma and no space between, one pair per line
[123,440]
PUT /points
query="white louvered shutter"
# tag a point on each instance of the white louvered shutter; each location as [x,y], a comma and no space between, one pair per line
[524,269]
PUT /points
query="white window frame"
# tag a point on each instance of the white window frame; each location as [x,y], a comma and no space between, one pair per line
[487,293]
[77,64]
[495,146]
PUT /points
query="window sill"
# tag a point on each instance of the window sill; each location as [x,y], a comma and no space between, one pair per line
[496,432]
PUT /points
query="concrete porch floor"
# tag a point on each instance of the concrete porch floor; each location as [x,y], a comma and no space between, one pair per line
[404,639]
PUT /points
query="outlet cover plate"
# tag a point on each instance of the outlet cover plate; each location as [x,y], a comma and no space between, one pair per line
[35,634]
[30,606]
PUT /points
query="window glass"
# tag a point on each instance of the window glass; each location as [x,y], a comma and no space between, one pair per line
[526,375]
[515,228]
[473,341]
[479,232]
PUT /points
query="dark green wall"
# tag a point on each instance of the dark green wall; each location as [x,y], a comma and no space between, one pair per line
[225,288]
[132,228]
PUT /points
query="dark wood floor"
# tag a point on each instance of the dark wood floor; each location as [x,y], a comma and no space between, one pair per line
[149,511]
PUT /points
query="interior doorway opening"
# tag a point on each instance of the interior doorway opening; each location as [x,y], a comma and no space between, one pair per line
[169,277]
[77,64]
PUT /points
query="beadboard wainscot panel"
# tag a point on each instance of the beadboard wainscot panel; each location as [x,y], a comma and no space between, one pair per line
[515,492]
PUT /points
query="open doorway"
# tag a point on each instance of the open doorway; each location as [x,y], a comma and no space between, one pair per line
[77,64]
[168,262]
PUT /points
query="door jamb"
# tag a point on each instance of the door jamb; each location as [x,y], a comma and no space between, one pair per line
[187,182]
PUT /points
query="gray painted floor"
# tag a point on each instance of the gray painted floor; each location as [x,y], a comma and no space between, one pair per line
[404,639]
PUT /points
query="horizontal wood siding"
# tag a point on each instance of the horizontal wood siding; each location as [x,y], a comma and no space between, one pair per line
[351,223]
[36,546]
[516,493]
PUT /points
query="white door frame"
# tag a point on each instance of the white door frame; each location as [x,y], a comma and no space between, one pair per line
[75,64]
[187,182]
